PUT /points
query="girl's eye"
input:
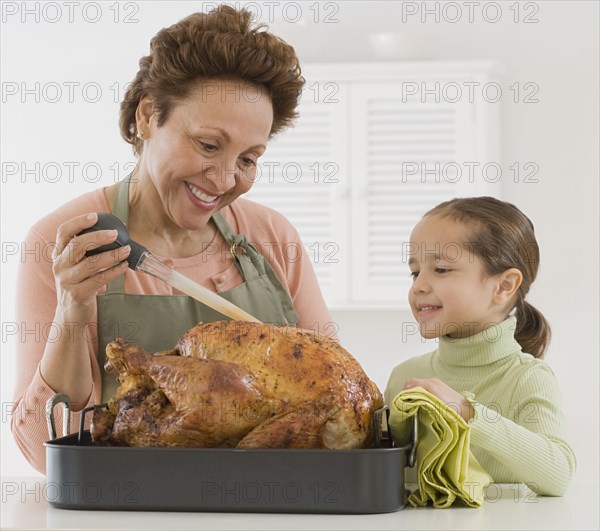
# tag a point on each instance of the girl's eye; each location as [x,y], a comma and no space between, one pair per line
[248,162]
[414,274]
[441,270]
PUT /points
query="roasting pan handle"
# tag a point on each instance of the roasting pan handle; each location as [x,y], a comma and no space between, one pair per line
[411,458]
[59,398]
[383,437]
[381,433]
[84,412]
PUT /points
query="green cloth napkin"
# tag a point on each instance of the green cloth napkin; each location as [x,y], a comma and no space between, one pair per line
[446,469]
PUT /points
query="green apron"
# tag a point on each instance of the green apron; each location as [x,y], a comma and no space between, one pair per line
[156,322]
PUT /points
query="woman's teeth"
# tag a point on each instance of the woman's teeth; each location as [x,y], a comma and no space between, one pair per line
[200,194]
[423,308]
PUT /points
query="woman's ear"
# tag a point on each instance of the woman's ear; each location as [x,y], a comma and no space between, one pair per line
[508,284]
[143,115]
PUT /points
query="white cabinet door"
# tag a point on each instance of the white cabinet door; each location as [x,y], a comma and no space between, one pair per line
[407,156]
[304,175]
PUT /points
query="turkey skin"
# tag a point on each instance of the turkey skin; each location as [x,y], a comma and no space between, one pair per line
[239,384]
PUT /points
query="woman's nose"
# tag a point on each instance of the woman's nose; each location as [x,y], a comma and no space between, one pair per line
[223,174]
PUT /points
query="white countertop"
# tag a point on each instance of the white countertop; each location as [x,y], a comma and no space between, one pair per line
[506,507]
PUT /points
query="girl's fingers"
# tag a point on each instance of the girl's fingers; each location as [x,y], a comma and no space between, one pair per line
[414,382]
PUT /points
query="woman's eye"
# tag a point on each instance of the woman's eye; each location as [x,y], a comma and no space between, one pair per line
[414,274]
[207,147]
[441,270]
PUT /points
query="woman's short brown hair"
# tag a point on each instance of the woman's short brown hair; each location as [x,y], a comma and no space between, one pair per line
[221,44]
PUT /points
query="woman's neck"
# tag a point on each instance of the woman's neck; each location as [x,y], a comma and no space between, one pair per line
[149,225]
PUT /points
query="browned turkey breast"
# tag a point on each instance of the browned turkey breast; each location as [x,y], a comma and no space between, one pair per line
[234,383]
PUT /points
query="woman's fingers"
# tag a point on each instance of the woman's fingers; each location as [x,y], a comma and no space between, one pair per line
[79,245]
[92,284]
[91,266]
[68,229]
[79,277]
[74,250]
[80,295]
[70,249]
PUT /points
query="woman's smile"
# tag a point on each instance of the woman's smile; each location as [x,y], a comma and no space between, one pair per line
[200,198]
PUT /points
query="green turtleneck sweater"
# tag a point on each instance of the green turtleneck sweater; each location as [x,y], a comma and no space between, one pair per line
[517,433]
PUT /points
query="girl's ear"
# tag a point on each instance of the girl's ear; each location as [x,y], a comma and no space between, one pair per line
[508,284]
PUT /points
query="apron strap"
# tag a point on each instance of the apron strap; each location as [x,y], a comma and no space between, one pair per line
[249,263]
[252,264]
[120,208]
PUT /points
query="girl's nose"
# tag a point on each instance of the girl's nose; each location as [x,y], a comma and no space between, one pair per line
[421,284]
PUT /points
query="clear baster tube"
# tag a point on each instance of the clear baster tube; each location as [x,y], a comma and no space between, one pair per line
[151,265]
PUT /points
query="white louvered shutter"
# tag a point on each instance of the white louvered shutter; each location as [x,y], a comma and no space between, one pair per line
[338,174]
[392,142]
[303,175]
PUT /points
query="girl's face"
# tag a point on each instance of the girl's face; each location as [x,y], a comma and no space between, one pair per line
[451,294]
[204,155]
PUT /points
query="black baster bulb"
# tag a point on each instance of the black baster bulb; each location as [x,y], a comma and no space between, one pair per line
[110,222]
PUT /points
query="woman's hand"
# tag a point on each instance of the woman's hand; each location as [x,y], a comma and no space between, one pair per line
[78,278]
[446,394]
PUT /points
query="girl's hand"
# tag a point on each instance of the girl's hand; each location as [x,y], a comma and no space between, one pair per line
[446,394]
[78,278]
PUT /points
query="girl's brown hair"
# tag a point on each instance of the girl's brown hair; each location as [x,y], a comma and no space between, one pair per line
[503,237]
[222,44]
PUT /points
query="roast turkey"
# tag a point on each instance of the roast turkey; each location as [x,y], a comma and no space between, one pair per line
[239,384]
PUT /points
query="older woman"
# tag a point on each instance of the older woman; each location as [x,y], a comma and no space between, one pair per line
[199,114]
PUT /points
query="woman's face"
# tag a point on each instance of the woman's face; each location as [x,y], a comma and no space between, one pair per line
[204,155]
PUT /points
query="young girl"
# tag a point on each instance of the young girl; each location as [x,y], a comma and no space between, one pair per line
[473,261]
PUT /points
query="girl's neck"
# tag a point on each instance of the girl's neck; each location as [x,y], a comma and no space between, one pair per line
[494,343]
[469,331]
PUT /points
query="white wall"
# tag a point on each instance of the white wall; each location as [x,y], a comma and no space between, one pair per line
[559,133]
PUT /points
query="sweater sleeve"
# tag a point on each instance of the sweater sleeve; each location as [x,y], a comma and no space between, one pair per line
[528,439]
[36,306]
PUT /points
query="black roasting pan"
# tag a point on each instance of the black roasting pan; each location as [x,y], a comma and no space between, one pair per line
[81,475]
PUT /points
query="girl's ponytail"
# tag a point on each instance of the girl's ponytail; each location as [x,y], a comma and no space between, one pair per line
[533,331]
